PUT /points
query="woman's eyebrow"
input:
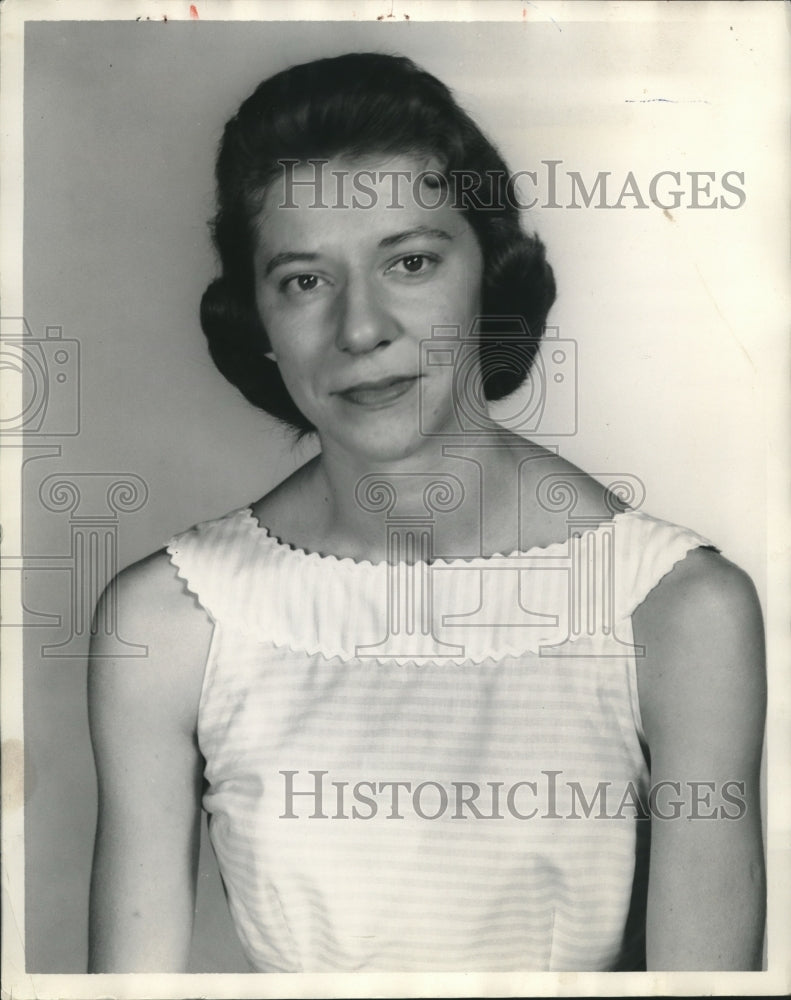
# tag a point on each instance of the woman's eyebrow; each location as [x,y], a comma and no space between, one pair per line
[291,256]
[408,234]
[288,257]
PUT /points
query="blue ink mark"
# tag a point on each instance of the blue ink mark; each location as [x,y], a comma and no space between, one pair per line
[535,5]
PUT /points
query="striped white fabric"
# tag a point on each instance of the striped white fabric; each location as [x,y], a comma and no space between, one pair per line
[428,767]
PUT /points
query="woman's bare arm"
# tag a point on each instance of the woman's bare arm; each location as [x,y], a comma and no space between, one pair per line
[702,693]
[143,714]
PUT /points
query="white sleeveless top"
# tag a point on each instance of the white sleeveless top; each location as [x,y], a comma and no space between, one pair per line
[432,767]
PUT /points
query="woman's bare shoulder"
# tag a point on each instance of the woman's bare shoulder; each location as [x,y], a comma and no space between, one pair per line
[150,590]
[171,634]
[703,587]
[701,628]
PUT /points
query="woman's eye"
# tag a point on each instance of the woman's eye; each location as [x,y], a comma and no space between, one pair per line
[301,283]
[415,263]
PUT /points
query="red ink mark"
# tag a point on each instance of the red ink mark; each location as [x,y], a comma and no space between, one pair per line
[193,12]
[524,13]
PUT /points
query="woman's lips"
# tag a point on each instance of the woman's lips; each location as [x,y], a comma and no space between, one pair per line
[380,393]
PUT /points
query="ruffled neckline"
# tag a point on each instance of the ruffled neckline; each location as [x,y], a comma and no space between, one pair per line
[486,607]
[250,522]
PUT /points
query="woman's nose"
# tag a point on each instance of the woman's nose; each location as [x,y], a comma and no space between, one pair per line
[364,323]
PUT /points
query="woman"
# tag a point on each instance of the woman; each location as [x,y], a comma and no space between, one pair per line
[417,752]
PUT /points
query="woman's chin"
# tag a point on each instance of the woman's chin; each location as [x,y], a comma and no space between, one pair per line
[379,442]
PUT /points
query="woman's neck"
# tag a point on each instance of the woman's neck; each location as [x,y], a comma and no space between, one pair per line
[467,491]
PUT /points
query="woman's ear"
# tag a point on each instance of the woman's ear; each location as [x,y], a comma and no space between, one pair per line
[264,348]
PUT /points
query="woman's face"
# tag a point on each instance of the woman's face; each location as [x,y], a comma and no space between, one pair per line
[349,285]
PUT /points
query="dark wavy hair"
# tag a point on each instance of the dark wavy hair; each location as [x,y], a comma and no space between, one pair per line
[356,104]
